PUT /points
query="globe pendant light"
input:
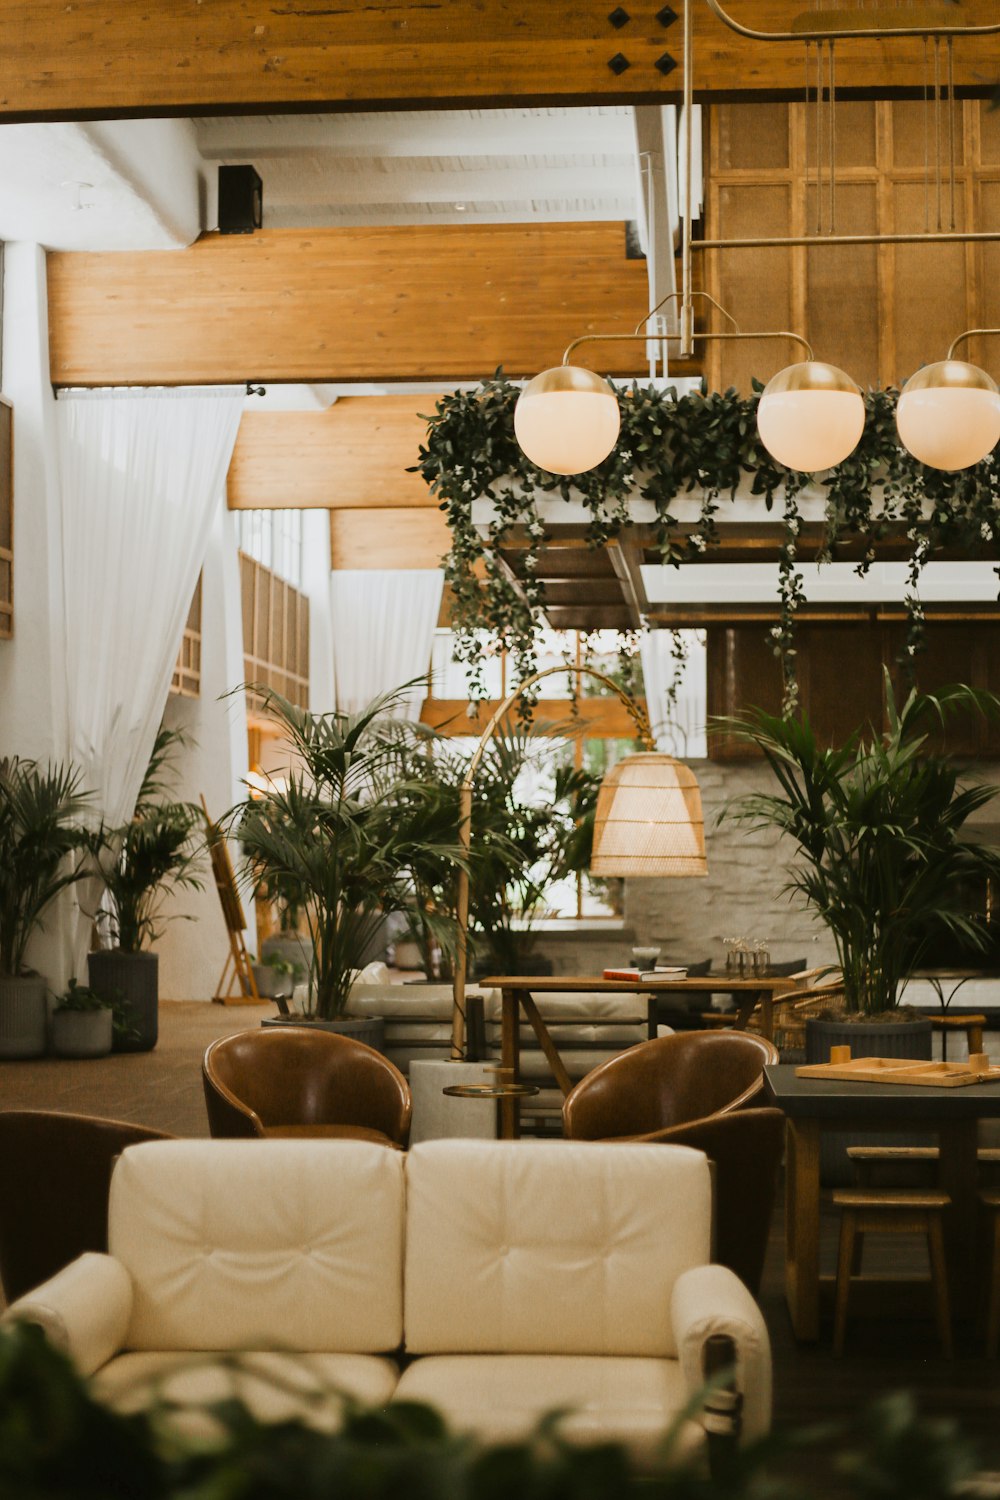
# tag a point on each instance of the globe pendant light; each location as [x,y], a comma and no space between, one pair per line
[948,414]
[810,416]
[567,420]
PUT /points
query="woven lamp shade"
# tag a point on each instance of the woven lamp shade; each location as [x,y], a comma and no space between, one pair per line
[649,820]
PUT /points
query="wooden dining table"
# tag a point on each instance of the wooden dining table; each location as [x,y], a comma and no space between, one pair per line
[518,992]
[812,1105]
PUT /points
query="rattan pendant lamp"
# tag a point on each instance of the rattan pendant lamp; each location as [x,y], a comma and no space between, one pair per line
[648,820]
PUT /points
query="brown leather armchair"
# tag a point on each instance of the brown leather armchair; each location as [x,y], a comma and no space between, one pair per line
[55,1171]
[701,1089]
[296,1081]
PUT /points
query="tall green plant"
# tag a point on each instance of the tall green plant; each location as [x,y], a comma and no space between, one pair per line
[157,851]
[878,824]
[344,832]
[40,833]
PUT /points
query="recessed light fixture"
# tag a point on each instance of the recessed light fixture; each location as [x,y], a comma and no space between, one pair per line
[459,208]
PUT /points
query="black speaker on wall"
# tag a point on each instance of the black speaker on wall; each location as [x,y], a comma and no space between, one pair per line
[241,200]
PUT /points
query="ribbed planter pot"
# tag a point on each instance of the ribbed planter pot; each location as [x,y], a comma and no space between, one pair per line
[367,1029]
[23,1014]
[134,978]
[865,1039]
[81,1033]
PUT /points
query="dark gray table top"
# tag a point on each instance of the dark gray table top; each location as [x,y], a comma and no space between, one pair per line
[830,1098]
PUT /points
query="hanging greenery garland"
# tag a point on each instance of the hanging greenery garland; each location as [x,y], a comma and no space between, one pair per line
[670,446]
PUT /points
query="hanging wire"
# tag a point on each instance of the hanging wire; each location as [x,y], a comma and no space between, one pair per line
[937,127]
[951,127]
[833,144]
[819,136]
[927,144]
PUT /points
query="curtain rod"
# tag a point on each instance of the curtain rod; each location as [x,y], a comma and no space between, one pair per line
[140,392]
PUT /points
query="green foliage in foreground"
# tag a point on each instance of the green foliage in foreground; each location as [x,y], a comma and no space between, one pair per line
[57,1443]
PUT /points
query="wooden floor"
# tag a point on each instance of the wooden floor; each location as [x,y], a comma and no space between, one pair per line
[163,1089]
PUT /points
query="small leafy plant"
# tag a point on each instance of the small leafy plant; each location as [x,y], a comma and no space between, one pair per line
[79,997]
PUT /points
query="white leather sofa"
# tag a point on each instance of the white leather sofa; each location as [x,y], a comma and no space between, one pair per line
[496,1280]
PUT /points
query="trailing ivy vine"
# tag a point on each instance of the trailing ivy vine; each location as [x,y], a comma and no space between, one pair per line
[670,446]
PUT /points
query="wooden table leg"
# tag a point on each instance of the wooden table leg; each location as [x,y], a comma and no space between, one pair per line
[510,1060]
[546,1043]
[958,1170]
[802,1227]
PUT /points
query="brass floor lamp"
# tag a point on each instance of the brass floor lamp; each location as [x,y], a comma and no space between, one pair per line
[648,820]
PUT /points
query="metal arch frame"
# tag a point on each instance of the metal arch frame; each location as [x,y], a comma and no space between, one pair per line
[465,821]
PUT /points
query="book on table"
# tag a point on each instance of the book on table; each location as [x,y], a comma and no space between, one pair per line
[640,974]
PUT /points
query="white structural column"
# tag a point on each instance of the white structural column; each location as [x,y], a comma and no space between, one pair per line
[679,728]
[383,631]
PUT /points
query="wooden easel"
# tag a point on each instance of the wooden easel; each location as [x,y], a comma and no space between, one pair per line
[237,969]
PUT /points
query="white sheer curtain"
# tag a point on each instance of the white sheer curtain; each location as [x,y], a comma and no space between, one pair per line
[141,474]
[383,627]
[679,732]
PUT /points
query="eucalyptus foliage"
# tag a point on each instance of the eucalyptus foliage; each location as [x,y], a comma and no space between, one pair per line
[41,837]
[668,447]
[342,834]
[157,851]
[878,824]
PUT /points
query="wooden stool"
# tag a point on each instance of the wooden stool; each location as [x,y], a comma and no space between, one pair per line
[891,1211]
[971,1025]
[867,1159]
[990,1199]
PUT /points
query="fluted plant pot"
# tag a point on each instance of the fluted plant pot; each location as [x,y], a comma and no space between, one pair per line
[82,1033]
[367,1029]
[23,1015]
[131,980]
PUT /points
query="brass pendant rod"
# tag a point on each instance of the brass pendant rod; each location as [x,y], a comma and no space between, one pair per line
[765,243]
[640,327]
[645,734]
[663,338]
[841,34]
[687,306]
[970,333]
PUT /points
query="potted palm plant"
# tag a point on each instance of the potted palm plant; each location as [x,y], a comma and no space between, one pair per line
[878,824]
[40,838]
[341,833]
[158,851]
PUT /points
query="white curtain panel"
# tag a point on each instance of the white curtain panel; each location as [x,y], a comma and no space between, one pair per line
[680,731]
[383,627]
[141,475]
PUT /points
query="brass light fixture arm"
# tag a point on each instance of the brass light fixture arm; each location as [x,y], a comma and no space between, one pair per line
[608,338]
[930,27]
[970,333]
[677,297]
[645,733]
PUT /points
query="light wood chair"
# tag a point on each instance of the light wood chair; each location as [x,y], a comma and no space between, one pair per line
[891,1211]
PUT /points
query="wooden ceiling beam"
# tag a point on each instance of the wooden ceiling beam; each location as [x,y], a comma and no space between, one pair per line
[351,456]
[421,302]
[604,717]
[185,57]
[385,538]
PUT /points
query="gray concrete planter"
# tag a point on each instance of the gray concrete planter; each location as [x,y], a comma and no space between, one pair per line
[367,1029]
[134,979]
[23,1015]
[865,1039]
[81,1033]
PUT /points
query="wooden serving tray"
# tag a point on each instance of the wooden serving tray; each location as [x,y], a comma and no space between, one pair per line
[939,1075]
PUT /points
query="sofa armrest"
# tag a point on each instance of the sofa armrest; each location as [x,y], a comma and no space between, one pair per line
[711,1300]
[84,1310]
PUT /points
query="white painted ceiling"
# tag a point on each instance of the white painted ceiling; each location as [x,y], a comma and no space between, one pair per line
[151,184]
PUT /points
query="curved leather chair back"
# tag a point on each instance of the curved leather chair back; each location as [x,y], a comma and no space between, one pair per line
[286,1076]
[55,1171]
[668,1082]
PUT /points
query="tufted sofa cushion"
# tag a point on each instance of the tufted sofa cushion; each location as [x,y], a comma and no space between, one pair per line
[517,1248]
[260,1244]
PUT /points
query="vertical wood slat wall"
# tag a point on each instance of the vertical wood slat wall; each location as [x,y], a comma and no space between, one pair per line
[275,633]
[6,520]
[186,681]
[877,311]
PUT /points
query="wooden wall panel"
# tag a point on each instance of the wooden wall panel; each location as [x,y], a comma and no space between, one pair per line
[353,455]
[414,303]
[275,634]
[411,538]
[99,58]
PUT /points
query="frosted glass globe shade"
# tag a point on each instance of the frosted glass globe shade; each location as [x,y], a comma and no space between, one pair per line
[567,420]
[810,416]
[948,415]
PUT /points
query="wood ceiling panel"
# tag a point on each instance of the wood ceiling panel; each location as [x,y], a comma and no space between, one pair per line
[414,303]
[185,57]
[351,456]
[405,538]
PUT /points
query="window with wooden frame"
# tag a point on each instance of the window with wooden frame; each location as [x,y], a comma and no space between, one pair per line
[275,633]
[877,311]
[186,681]
[6,520]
